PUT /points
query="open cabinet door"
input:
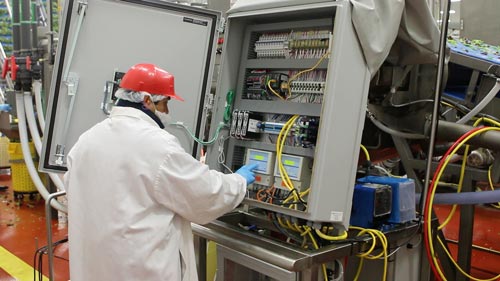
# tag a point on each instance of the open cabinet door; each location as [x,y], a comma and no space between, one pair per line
[102,39]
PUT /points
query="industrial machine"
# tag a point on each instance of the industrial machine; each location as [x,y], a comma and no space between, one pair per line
[306,92]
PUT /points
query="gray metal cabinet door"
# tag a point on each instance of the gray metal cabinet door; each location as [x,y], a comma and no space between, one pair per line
[101,37]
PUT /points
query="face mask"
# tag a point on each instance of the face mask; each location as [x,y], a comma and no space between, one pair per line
[165,118]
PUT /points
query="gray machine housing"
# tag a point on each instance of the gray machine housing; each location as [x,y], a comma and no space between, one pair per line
[342,111]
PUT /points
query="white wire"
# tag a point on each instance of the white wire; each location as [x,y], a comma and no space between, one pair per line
[221,159]
[384,170]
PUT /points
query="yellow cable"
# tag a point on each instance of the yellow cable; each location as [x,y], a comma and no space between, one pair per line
[490,181]
[302,72]
[281,223]
[279,147]
[374,240]
[272,90]
[431,198]
[315,244]
[280,144]
[289,126]
[331,238]
[367,155]
[448,104]
[489,120]
[305,192]
[368,254]
[307,231]
[358,271]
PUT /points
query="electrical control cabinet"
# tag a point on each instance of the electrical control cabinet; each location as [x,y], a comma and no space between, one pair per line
[300,86]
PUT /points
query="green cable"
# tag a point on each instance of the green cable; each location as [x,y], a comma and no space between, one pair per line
[227,109]
[209,142]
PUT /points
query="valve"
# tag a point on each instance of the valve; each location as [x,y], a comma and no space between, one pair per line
[13,68]
[28,63]
[5,68]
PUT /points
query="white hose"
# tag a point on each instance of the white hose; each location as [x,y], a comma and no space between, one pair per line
[37,89]
[480,106]
[30,116]
[3,56]
[23,135]
[9,9]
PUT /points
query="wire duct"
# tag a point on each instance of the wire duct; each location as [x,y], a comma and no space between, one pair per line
[30,116]
[23,134]
[465,198]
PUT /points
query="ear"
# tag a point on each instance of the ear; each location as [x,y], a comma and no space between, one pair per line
[148,103]
[147,100]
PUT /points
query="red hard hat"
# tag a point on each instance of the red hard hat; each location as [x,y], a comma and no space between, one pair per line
[146,77]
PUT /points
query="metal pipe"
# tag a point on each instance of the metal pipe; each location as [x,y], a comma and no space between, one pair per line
[16,27]
[34,26]
[436,104]
[25,25]
[450,131]
[465,198]
[48,223]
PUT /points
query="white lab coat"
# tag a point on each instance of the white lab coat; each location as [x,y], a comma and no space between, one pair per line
[132,193]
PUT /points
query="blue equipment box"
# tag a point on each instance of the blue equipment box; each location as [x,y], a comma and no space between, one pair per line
[403,197]
[371,205]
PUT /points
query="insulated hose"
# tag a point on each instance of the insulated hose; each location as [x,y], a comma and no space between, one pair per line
[465,198]
[23,134]
[30,116]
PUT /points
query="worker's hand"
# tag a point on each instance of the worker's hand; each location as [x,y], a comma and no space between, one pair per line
[246,172]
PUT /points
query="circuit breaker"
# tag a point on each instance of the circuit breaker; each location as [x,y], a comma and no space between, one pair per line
[300,86]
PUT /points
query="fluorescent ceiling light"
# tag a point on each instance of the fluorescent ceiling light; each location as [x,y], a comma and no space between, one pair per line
[451,12]
[456,0]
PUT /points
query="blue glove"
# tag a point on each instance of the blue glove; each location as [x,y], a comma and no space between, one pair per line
[5,107]
[246,172]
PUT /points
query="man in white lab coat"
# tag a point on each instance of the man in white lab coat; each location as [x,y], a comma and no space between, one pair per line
[133,190]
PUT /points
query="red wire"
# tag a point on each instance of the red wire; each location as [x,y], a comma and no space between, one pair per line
[427,214]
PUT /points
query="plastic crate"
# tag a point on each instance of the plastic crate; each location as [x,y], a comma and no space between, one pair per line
[4,152]
[21,179]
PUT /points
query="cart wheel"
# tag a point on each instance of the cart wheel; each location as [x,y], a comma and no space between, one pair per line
[18,198]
